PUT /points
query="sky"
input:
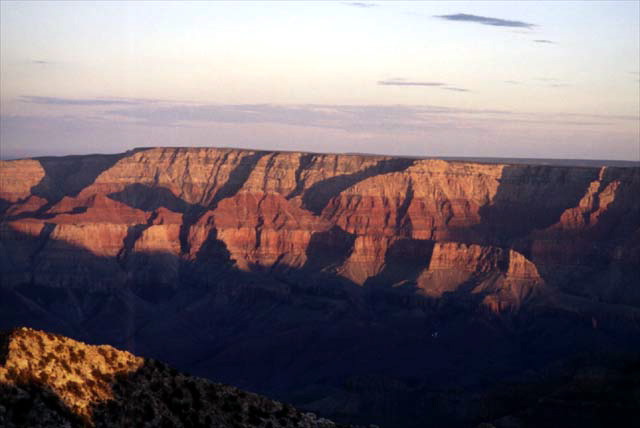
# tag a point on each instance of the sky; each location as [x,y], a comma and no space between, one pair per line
[496,79]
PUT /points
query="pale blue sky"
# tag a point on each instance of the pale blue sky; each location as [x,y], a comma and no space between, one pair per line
[553,79]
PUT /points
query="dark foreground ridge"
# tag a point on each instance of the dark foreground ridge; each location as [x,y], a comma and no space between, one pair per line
[48,380]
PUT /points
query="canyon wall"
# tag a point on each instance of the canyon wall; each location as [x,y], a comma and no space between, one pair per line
[350,285]
[351,215]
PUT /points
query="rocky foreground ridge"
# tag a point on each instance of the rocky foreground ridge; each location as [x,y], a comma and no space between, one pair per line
[365,282]
[49,380]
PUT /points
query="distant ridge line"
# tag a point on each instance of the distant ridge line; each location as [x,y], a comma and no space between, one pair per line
[474,159]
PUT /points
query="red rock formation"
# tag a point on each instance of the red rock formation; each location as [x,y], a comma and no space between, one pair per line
[326,270]
[18,177]
[523,223]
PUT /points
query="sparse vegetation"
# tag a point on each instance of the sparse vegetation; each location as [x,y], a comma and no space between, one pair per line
[74,388]
[100,386]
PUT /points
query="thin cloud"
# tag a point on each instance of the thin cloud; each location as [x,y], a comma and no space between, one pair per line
[352,118]
[549,42]
[40,61]
[193,124]
[552,82]
[513,82]
[402,82]
[456,89]
[485,20]
[362,5]
[57,101]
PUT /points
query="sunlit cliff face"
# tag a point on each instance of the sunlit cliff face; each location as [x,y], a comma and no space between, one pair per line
[363,218]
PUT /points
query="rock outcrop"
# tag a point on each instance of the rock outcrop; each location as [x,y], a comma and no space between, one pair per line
[50,380]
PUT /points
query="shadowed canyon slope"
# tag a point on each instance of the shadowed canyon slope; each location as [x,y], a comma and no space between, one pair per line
[351,285]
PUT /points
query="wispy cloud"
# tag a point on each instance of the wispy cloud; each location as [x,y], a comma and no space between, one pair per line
[98,112]
[545,41]
[552,82]
[402,82]
[456,89]
[359,4]
[351,118]
[366,128]
[58,101]
[485,20]
[167,123]
[40,62]
[513,82]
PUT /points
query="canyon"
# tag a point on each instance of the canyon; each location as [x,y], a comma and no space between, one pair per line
[366,288]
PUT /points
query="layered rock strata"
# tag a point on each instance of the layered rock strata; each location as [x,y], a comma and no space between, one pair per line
[266,210]
[364,288]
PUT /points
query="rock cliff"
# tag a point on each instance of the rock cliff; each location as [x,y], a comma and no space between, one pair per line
[267,209]
[233,255]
